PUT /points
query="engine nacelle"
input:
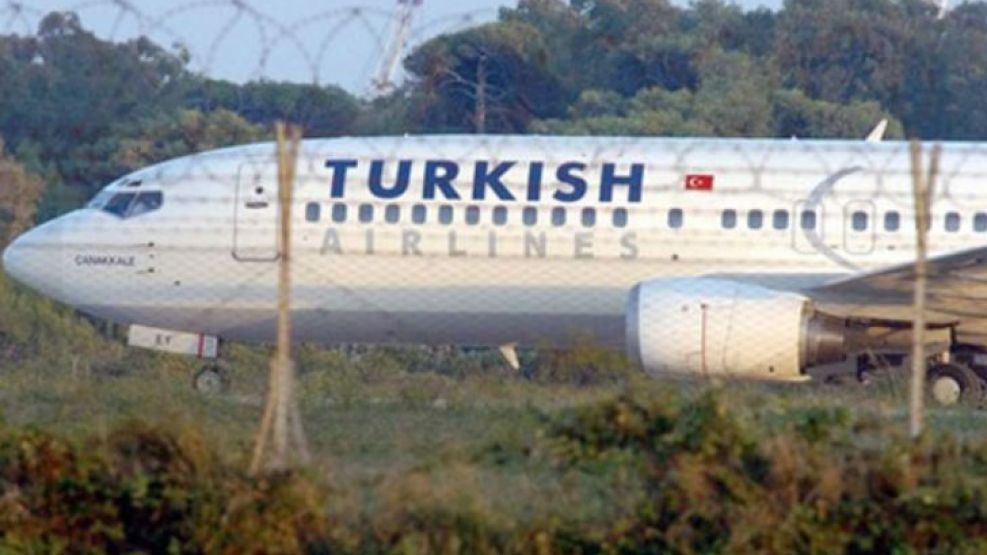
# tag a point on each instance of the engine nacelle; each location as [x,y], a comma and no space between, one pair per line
[717,327]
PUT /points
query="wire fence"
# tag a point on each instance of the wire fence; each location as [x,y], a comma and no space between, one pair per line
[346,45]
[759,259]
[398,239]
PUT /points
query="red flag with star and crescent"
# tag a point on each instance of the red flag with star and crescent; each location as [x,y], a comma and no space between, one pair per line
[699,182]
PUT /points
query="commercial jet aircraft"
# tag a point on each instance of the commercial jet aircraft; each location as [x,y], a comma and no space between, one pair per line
[757,259]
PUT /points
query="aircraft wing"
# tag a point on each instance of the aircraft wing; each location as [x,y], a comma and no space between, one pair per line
[957,291]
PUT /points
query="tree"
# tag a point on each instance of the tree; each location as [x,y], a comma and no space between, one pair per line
[184,132]
[796,115]
[846,50]
[19,195]
[945,86]
[499,69]
[320,111]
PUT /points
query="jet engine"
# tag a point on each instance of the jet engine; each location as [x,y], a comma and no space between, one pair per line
[719,327]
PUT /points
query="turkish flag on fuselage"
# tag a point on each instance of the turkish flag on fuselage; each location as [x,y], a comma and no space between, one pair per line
[699,182]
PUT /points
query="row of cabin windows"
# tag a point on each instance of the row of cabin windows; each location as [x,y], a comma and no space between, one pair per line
[808,220]
[755,219]
[729,219]
[952,221]
[445,215]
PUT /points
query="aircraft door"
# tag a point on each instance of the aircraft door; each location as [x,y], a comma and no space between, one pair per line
[255,235]
[809,229]
[859,227]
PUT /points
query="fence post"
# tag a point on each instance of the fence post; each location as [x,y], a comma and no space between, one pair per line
[281,424]
[922,188]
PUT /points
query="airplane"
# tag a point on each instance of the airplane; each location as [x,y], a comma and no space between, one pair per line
[746,258]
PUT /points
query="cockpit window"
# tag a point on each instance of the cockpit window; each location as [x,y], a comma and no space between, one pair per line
[129,205]
[119,204]
[100,200]
[145,202]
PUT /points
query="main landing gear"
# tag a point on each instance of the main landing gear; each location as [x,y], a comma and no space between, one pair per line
[959,380]
[955,383]
[954,378]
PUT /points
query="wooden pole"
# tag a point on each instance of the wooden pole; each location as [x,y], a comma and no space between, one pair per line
[281,423]
[922,188]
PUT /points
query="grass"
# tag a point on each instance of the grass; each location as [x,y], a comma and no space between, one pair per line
[394,439]
[364,422]
[371,432]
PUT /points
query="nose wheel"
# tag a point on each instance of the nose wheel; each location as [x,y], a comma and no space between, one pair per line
[211,380]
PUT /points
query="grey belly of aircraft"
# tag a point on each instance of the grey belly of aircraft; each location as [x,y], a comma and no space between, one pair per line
[466,316]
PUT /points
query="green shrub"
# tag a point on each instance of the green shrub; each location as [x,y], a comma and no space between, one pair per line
[714,485]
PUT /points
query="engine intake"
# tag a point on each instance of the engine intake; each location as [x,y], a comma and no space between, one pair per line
[719,327]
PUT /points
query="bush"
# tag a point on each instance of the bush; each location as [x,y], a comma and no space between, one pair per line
[146,490]
[716,486]
[712,483]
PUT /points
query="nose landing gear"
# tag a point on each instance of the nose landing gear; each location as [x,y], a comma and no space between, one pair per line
[212,379]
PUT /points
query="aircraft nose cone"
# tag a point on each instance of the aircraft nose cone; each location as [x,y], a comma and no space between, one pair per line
[35,262]
[10,260]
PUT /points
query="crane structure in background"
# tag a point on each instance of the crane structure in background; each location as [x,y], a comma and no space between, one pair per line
[942,5]
[383,81]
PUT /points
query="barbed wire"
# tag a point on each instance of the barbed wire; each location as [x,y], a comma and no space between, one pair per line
[236,40]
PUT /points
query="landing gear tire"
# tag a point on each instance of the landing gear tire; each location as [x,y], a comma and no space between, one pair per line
[954,385]
[210,380]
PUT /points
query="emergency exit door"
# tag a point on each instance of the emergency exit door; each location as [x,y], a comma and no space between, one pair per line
[859,227]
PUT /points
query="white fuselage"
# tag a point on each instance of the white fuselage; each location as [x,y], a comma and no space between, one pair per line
[498,264]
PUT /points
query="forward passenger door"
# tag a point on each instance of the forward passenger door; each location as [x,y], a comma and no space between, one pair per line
[255,233]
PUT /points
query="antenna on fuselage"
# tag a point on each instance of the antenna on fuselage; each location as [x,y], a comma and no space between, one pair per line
[877,134]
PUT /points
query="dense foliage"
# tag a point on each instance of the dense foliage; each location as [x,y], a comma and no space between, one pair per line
[813,480]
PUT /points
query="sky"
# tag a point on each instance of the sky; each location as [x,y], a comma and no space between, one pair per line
[337,42]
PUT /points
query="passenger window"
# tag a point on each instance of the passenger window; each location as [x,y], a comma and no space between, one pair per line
[953,222]
[859,221]
[809,220]
[146,202]
[530,216]
[780,219]
[366,213]
[392,214]
[589,217]
[119,204]
[339,213]
[980,222]
[313,212]
[445,215]
[675,218]
[728,220]
[558,217]
[419,214]
[472,215]
[500,215]
[620,217]
[755,219]
[892,221]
